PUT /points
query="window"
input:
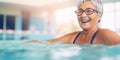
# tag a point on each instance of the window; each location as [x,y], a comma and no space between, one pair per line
[10,22]
[1,21]
[7,22]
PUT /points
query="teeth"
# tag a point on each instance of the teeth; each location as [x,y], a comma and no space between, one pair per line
[85,21]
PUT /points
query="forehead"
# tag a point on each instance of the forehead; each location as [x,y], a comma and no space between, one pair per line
[87,4]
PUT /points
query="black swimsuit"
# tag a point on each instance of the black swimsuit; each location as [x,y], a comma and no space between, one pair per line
[91,41]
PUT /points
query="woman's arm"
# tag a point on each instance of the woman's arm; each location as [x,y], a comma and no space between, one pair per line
[68,38]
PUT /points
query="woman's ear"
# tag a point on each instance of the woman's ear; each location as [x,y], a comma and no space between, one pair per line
[99,17]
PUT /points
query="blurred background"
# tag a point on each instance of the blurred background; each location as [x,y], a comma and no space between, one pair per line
[48,19]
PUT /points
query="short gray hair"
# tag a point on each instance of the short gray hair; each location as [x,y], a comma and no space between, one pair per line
[97,3]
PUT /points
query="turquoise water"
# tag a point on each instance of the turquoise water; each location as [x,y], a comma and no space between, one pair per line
[17,50]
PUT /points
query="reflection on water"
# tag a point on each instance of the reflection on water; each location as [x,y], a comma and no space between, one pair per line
[10,50]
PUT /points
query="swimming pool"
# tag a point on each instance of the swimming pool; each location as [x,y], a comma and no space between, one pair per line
[16,50]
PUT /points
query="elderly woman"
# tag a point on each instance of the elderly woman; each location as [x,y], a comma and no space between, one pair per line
[89,13]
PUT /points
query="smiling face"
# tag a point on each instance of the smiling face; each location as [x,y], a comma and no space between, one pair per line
[85,20]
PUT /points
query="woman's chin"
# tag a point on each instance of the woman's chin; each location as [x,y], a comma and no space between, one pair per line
[85,28]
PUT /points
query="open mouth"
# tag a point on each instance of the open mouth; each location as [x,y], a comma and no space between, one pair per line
[85,21]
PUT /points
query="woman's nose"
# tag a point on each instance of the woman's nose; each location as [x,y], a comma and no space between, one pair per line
[83,14]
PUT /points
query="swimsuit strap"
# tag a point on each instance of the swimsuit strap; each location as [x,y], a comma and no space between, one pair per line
[91,41]
[76,37]
[93,37]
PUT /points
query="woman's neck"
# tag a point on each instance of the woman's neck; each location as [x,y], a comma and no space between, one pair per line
[90,31]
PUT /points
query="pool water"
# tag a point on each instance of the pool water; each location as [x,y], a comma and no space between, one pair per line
[17,50]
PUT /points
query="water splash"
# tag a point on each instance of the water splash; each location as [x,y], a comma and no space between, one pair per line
[18,50]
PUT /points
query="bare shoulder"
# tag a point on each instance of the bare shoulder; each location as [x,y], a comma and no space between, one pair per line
[68,38]
[71,35]
[110,37]
[107,32]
